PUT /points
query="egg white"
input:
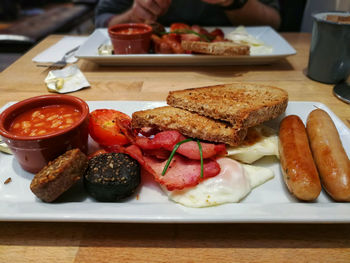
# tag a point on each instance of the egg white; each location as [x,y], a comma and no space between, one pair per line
[266,145]
[231,185]
[241,36]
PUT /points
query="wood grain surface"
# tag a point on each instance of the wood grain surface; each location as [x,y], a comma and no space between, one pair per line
[107,242]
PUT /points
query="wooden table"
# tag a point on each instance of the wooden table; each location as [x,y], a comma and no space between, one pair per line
[121,242]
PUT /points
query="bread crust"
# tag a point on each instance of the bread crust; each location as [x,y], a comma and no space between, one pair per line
[241,104]
[224,48]
[189,124]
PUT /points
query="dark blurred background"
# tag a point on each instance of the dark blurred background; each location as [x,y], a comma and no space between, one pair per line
[23,23]
[12,9]
[36,19]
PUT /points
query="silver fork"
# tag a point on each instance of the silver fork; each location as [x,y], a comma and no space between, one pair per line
[63,61]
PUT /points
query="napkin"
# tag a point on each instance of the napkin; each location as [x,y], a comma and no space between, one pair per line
[57,51]
[66,80]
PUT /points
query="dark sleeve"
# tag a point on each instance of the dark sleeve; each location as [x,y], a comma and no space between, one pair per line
[272,3]
[105,9]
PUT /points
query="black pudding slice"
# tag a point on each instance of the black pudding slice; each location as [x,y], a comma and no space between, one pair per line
[112,176]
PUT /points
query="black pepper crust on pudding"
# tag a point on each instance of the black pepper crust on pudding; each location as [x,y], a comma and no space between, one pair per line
[112,176]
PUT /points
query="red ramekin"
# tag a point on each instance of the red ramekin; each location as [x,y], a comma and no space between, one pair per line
[34,152]
[133,43]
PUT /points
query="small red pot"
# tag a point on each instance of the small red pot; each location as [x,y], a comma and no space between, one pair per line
[130,38]
[34,152]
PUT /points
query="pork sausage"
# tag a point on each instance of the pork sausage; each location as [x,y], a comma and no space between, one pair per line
[298,167]
[330,157]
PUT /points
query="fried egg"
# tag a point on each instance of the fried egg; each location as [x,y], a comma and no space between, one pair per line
[231,185]
[241,36]
[260,141]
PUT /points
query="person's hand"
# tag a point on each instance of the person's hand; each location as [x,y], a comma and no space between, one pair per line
[149,10]
[219,2]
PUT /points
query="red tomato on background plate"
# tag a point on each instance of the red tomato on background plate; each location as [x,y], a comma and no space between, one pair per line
[178,27]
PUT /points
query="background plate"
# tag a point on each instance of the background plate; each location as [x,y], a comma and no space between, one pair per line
[281,49]
[270,202]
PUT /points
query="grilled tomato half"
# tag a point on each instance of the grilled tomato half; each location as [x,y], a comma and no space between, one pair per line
[107,127]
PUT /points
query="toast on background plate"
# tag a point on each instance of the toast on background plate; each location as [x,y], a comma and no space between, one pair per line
[224,48]
[242,104]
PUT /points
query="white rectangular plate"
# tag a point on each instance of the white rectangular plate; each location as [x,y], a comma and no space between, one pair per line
[270,202]
[281,49]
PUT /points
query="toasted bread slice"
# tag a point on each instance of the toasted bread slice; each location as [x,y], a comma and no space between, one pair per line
[224,48]
[242,104]
[189,124]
